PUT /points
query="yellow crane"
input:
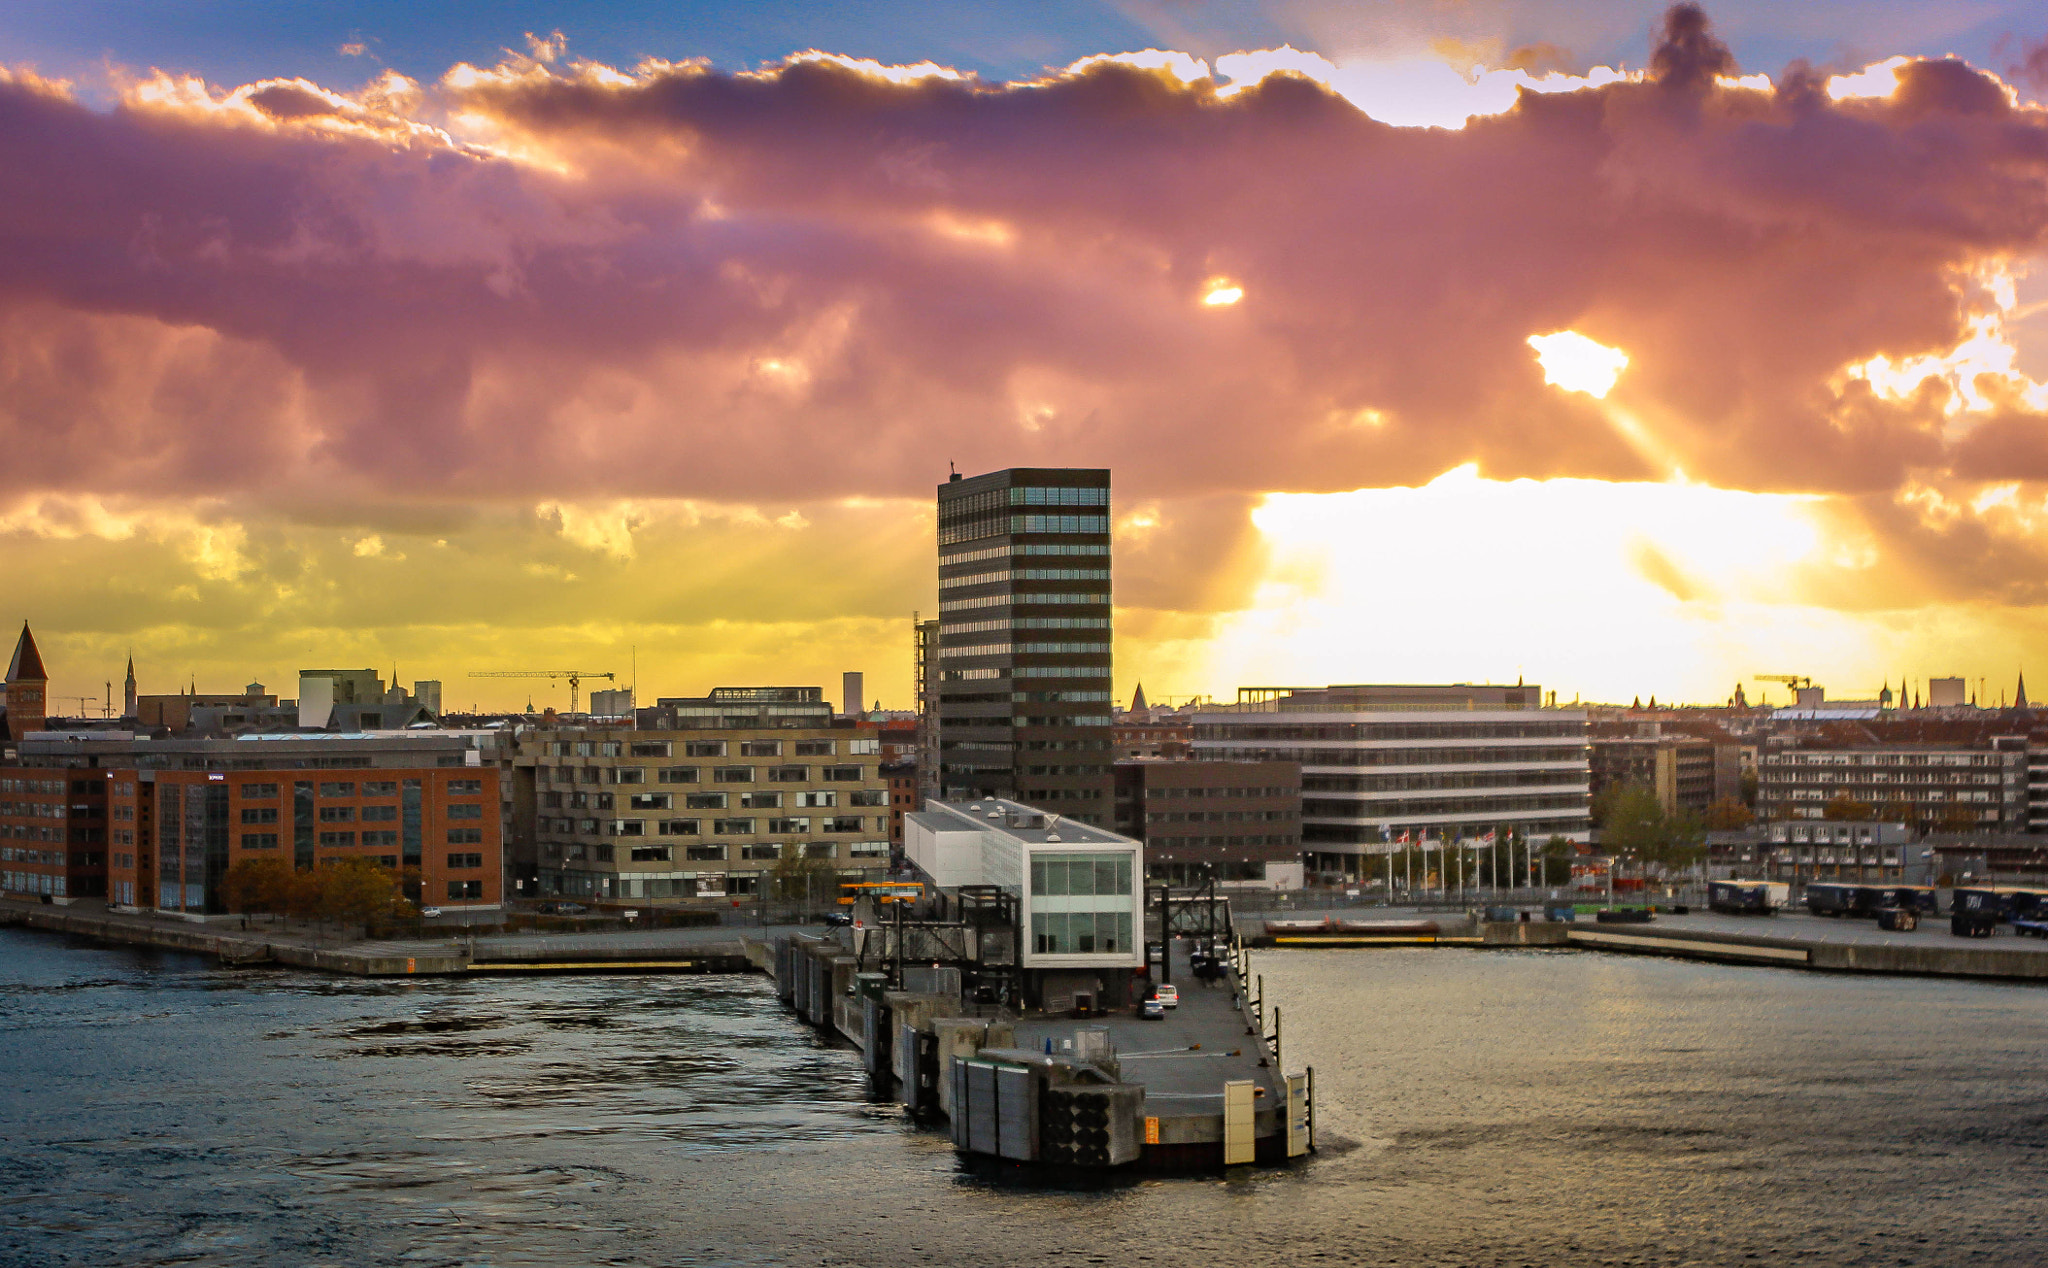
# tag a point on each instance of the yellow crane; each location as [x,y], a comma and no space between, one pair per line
[1793,682]
[575,677]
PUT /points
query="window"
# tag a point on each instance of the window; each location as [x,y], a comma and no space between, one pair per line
[820,850]
[761,801]
[465,889]
[704,853]
[816,748]
[842,774]
[789,774]
[790,827]
[762,850]
[857,748]
[651,801]
[465,836]
[465,787]
[460,862]
[761,748]
[704,748]
[629,827]
[259,814]
[705,801]
[257,841]
[842,823]
[651,854]
[679,775]
[337,790]
[250,792]
[337,814]
[380,788]
[732,827]
[1080,932]
[388,836]
[732,775]
[466,810]
[332,839]
[650,748]
[678,827]
[1081,874]
[380,814]
[868,849]
[817,800]
[868,797]
[629,775]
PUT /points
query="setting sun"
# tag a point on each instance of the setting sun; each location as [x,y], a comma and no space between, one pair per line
[1577,364]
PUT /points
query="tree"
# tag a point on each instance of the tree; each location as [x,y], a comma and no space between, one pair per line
[794,876]
[1632,821]
[1957,819]
[258,884]
[1728,815]
[1749,787]
[1843,806]
[1896,809]
[357,891]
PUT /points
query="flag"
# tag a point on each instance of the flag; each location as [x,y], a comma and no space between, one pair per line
[1488,838]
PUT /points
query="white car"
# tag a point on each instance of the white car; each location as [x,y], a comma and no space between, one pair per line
[1168,994]
[428,913]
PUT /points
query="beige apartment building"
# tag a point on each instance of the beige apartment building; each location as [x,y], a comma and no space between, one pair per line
[602,814]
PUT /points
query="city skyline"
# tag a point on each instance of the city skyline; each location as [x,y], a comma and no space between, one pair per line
[1691,364]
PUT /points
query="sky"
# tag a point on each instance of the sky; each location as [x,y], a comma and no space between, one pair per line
[1631,351]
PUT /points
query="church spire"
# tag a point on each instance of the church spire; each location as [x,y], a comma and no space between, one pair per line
[27,681]
[1138,699]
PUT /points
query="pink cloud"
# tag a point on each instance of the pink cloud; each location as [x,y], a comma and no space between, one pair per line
[557,280]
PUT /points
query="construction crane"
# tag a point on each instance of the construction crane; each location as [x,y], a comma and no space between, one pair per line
[1793,682]
[575,677]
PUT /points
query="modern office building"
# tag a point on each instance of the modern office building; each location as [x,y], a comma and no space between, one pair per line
[697,812]
[1445,763]
[1238,823]
[1024,639]
[1079,891]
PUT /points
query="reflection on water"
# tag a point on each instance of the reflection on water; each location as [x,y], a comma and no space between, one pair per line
[1476,1107]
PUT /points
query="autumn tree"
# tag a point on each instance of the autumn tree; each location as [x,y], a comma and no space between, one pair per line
[1958,819]
[1728,815]
[258,884]
[1843,806]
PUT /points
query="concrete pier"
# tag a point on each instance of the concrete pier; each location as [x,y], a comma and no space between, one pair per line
[1158,1093]
[1789,940]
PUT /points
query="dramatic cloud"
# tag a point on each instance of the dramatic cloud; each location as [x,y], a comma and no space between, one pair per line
[558,283]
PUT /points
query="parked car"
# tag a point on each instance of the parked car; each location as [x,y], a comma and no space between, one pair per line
[839,918]
[562,909]
[1152,1010]
[1168,995]
[428,913]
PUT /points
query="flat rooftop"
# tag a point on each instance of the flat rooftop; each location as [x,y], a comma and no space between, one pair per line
[1028,824]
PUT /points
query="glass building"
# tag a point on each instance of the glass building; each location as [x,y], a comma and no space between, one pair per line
[1024,639]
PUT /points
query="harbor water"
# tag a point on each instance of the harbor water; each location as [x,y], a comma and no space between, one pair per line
[1475,1108]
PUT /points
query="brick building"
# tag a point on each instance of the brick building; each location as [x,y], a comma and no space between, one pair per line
[1239,822]
[175,833]
[53,834]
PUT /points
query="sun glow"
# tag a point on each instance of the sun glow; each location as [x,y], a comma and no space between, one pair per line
[1677,584]
[1222,294]
[1577,364]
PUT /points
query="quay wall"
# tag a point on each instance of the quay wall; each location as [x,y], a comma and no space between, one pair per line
[230,946]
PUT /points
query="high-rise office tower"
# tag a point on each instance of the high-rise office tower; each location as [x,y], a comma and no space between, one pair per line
[1024,637]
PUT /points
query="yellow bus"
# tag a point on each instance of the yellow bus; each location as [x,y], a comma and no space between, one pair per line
[851,892]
